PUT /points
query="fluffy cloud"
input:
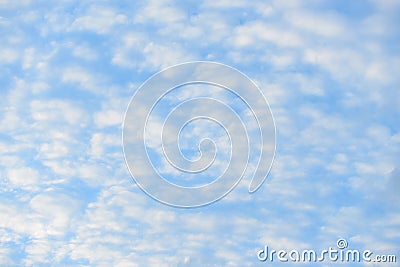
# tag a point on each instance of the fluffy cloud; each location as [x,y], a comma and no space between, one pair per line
[69,70]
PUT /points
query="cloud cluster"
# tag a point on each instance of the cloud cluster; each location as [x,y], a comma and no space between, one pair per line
[68,70]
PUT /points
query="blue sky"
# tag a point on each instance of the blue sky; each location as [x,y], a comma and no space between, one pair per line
[68,70]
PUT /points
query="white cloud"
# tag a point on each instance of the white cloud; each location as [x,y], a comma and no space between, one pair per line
[60,167]
[324,25]
[343,63]
[11,4]
[55,111]
[67,197]
[38,251]
[162,56]
[381,72]
[163,11]
[85,52]
[108,118]
[24,177]
[100,19]
[129,49]
[55,209]
[8,55]
[225,4]
[255,34]
[29,56]
[80,76]
[94,175]
[53,150]
[100,142]
[5,259]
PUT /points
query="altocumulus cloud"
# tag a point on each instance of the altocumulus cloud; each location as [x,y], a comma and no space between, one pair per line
[69,68]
